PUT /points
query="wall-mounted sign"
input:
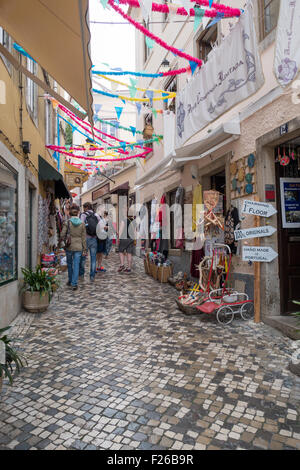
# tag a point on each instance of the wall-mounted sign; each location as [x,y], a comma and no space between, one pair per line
[260,254]
[270,192]
[256,232]
[290,202]
[284,129]
[74,180]
[100,192]
[262,209]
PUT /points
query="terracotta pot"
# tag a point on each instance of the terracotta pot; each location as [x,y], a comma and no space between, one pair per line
[35,302]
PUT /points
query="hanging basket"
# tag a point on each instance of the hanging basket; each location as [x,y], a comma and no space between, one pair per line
[148,132]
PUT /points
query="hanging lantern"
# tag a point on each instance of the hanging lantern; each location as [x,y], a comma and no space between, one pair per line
[148,132]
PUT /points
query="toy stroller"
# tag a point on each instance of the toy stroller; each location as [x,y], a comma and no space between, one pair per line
[227,302]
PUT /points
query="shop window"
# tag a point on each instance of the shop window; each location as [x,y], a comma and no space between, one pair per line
[206,41]
[170,86]
[171,198]
[32,91]
[8,223]
[269,12]
[5,40]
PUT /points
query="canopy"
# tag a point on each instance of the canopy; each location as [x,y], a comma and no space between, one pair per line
[56,34]
[48,173]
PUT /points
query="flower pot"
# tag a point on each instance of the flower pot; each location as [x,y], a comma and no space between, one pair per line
[35,302]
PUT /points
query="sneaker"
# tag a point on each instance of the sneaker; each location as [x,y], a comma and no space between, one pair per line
[74,287]
[121,268]
[127,270]
[102,269]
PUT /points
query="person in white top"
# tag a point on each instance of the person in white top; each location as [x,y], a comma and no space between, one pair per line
[101,231]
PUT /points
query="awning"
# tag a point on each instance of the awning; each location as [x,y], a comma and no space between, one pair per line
[56,34]
[123,188]
[48,173]
[169,165]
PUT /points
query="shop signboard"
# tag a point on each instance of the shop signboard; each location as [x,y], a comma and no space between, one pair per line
[259,254]
[262,209]
[232,74]
[290,202]
[256,232]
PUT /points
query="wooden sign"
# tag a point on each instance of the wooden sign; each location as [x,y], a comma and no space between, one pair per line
[256,232]
[261,209]
[260,254]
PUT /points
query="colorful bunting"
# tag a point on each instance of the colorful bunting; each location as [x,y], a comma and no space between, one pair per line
[150,94]
[119,110]
[133,130]
[193,66]
[199,13]
[138,107]
[216,19]
[98,108]
[149,42]
[104,3]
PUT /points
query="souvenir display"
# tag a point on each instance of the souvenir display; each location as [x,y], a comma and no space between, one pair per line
[243,180]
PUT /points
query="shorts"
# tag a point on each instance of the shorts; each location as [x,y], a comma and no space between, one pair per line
[101,246]
[126,245]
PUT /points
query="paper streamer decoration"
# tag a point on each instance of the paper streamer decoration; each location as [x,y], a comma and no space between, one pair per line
[138,107]
[159,41]
[199,13]
[186,5]
[229,12]
[218,18]
[128,98]
[98,108]
[143,74]
[149,42]
[22,51]
[133,85]
[104,3]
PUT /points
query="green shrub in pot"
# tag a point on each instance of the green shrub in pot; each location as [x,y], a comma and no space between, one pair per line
[38,288]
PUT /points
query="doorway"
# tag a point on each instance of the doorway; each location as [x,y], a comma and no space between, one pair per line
[287,171]
[29,226]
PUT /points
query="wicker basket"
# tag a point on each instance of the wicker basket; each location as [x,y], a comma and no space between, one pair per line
[153,270]
[164,272]
[146,266]
[187,309]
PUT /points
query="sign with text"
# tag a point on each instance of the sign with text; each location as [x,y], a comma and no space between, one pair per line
[260,254]
[256,232]
[262,209]
[232,74]
[290,202]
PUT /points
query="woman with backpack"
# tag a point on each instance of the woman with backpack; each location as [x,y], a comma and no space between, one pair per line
[74,235]
[90,219]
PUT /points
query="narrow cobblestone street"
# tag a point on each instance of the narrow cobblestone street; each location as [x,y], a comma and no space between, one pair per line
[115,365]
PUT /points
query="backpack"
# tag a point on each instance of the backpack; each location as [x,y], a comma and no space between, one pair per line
[91,223]
[229,229]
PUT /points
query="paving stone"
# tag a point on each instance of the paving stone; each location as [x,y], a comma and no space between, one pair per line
[126,369]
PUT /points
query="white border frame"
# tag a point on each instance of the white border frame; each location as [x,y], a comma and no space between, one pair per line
[286,224]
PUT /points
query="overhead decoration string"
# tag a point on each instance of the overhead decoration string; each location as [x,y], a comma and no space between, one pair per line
[159,41]
[143,74]
[229,12]
[140,89]
[128,98]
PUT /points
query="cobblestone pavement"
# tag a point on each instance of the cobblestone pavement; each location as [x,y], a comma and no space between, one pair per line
[115,365]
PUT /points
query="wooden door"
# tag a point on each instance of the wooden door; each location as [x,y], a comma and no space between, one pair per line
[288,248]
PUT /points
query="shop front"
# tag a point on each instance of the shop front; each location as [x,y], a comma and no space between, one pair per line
[279,184]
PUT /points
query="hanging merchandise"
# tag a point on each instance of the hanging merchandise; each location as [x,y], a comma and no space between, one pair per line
[231,222]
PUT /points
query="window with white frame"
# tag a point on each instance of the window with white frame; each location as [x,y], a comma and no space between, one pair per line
[48,122]
[110,129]
[32,91]
[5,40]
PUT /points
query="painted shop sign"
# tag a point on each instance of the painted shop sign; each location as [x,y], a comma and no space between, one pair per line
[260,254]
[262,209]
[287,53]
[256,232]
[290,202]
[232,74]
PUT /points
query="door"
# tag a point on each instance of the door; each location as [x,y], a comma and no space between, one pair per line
[288,245]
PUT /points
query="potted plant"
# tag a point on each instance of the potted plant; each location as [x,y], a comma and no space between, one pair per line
[37,289]
[11,357]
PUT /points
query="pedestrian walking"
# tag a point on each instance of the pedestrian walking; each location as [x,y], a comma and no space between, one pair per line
[74,235]
[90,220]
[101,243]
[110,233]
[126,243]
